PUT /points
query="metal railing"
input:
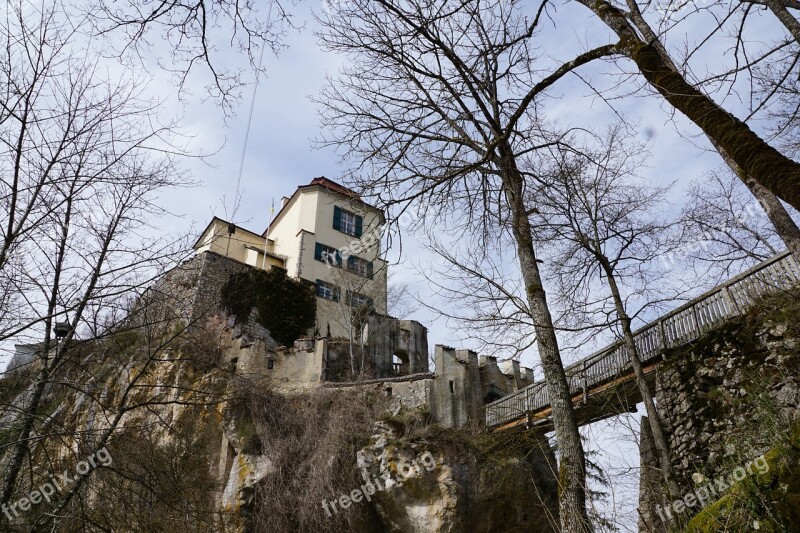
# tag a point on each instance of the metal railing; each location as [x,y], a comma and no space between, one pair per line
[684,324]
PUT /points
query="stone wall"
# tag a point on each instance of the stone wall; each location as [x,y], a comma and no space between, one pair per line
[723,398]
[388,337]
[193,288]
[455,394]
[457,397]
[500,379]
[192,292]
[463,382]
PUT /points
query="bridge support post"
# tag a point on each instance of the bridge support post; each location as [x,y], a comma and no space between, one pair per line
[584,383]
[698,326]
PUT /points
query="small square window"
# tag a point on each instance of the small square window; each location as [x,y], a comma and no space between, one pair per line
[360,267]
[347,222]
[326,254]
[270,364]
[359,300]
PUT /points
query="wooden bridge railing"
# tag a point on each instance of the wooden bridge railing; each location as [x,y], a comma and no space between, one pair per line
[684,324]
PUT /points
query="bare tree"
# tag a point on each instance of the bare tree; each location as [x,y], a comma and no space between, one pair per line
[400,300]
[785,226]
[611,232]
[480,290]
[435,111]
[355,293]
[198,33]
[733,137]
[725,230]
[84,162]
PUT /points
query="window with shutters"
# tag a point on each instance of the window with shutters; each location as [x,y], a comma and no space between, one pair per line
[347,222]
[356,299]
[327,291]
[327,255]
[359,266]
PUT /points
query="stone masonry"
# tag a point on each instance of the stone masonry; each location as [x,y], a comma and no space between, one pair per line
[714,390]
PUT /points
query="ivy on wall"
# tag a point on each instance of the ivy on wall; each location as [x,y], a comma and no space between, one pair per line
[285,306]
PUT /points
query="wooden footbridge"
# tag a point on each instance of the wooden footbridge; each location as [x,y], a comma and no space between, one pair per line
[603,384]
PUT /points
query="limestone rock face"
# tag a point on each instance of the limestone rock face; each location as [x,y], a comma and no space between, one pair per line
[415,489]
[421,487]
[246,471]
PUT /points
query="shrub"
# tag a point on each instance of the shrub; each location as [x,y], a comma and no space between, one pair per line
[285,306]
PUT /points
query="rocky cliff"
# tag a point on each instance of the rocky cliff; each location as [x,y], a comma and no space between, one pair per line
[198,440]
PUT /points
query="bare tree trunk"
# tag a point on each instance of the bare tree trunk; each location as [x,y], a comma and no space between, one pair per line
[786,18]
[30,412]
[572,468]
[776,172]
[784,225]
[653,417]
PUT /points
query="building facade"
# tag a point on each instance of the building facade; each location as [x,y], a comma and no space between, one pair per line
[323,233]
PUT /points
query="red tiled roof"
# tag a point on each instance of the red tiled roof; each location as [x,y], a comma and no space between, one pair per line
[321,181]
[333,186]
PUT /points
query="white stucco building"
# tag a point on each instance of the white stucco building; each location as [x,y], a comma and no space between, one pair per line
[323,233]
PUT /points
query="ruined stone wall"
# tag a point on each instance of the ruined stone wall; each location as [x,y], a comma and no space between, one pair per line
[454,395]
[388,337]
[501,379]
[457,397]
[193,288]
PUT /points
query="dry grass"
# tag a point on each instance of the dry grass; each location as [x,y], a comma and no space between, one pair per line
[312,440]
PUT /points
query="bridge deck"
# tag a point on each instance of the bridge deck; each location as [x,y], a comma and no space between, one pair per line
[601,383]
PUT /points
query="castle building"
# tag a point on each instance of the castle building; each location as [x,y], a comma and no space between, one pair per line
[324,233]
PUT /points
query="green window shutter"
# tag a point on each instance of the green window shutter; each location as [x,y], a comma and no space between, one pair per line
[359,224]
[338,256]
[351,262]
[318,252]
[317,284]
[337,218]
[370,270]
[336,294]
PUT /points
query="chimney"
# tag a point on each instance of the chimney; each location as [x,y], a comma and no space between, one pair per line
[284,201]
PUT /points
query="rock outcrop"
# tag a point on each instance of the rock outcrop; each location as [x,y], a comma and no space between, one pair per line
[467,482]
[188,457]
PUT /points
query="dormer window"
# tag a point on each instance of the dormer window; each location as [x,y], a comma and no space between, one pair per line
[347,222]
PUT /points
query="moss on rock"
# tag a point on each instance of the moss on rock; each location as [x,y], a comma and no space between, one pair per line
[768,501]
